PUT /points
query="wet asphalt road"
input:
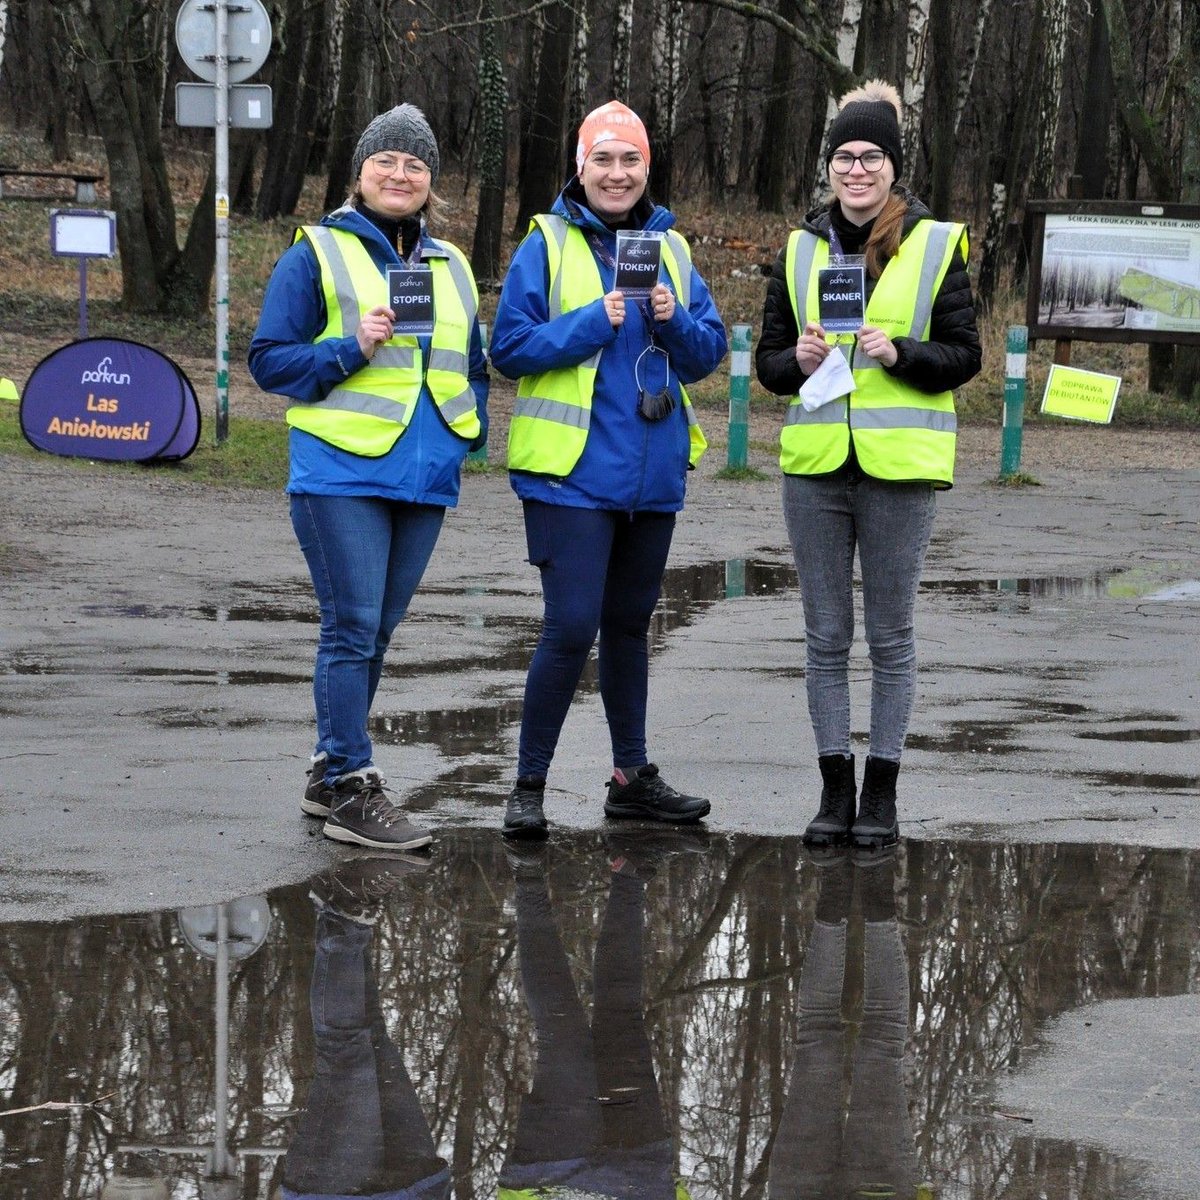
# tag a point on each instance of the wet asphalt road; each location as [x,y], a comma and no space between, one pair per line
[158,639]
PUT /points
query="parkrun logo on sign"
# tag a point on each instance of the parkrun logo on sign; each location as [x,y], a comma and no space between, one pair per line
[103,375]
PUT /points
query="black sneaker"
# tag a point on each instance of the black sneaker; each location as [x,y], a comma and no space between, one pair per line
[364,815]
[358,886]
[649,797]
[318,795]
[523,818]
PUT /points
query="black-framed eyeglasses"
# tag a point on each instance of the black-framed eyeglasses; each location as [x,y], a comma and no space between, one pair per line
[843,161]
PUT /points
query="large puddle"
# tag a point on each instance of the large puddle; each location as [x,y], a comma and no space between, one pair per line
[719,1014]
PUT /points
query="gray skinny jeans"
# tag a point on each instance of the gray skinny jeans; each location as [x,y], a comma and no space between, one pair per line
[827,517]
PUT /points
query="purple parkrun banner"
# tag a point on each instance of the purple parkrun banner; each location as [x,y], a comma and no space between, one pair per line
[112,399]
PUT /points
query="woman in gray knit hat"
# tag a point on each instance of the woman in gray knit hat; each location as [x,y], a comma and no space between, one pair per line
[868,326]
[369,327]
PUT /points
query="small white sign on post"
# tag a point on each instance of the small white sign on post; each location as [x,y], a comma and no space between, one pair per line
[83,232]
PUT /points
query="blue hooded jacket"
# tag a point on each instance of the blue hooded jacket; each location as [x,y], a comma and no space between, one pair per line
[423,466]
[629,464]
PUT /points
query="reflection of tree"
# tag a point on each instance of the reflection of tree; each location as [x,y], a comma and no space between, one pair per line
[998,939]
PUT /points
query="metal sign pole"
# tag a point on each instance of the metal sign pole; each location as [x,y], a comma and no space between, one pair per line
[82,297]
[221,170]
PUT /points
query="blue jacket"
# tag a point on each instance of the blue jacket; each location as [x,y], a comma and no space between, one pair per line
[628,464]
[423,466]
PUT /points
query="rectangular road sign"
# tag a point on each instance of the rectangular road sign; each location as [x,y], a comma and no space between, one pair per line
[249,105]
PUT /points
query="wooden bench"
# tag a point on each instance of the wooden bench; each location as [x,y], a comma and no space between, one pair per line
[84,181]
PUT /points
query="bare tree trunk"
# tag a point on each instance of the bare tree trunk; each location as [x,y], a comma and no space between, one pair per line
[966,75]
[349,115]
[295,165]
[1137,121]
[288,113]
[847,42]
[775,164]
[666,70]
[542,164]
[915,65]
[1050,87]
[622,42]
[1091,150]
[993,246]
[493,152]
[945,97]
[577,90]
[3,32]
[1187,358]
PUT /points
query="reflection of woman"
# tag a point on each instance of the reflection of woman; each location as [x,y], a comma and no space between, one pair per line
[592,1123]
[828,1144]
[362,1132]
[599,448]
[380,422]
[860,470]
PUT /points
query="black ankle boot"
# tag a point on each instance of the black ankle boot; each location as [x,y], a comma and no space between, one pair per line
[831,825]
[876,826]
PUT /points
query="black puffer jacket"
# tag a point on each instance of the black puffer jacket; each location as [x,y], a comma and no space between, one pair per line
[950,357]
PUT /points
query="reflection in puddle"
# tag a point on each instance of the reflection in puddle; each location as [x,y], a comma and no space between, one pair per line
[615,1013]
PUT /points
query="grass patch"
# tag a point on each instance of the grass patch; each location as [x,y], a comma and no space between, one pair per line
[1016,480]
[254,456]
[742,474]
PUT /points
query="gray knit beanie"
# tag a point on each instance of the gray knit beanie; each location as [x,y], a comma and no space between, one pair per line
[404,130]
[868,121]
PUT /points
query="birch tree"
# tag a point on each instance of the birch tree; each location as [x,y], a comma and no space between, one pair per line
[666,70]
[1049,91]
[845,44]
[577,85]
[622,42]
[915,66]
[966,76]
[1187,359]
[3,32]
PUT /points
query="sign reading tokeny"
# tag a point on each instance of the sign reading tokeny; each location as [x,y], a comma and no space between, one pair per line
[840,303]
[410,297]
[639,254]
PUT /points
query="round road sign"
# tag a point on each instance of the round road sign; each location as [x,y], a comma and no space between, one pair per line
[249,38]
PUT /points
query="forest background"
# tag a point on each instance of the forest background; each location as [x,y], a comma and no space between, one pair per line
[1005,101]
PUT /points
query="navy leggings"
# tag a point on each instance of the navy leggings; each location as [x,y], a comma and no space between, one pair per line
[601,573]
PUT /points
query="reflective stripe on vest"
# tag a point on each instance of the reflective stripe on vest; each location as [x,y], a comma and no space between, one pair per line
[900,432]
[368,411]
[553,409]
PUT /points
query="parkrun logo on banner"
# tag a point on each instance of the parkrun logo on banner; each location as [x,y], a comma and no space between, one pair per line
[68,407]
[103,375]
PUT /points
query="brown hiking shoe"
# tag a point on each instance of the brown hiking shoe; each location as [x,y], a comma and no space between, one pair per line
[318,795]
[363,814]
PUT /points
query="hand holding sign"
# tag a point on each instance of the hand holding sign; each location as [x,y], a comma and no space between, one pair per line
[662,302]
[373,330]
[811,348]
[614,309]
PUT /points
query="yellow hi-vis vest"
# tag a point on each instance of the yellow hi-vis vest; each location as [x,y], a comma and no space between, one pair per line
[553,409]
[368,411]
[900,433]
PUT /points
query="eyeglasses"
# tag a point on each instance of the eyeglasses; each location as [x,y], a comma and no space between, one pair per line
[872,160]
[389,164]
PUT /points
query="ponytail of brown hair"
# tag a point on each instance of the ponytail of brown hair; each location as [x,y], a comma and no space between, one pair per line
[884,242]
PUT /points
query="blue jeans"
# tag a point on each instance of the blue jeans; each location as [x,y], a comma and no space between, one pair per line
[601,572]
[366,557]
[362,1130]
[828,517]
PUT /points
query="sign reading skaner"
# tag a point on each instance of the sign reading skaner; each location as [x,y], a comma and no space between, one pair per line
[113,399]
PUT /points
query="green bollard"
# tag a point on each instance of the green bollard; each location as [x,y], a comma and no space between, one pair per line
[739,399]
[480,455]
[1015,359]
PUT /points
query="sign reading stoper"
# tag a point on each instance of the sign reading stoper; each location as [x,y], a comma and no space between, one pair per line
[639,254]
[840,302]
[410,297]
